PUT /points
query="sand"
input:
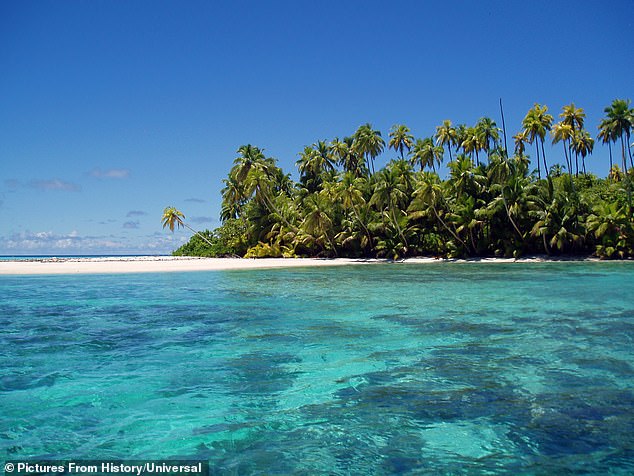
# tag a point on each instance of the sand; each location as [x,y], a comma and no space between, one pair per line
[157,264]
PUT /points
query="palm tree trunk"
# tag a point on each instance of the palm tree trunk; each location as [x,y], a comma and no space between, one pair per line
[398,228]
[544,158]
[506,152]
[610,149]
[623,154]
[331,244]
[568,161]
[539,169]
[198,233]
[447,227]
[365,228]
[508,214]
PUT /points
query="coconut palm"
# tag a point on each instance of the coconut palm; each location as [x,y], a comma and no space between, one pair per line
[583,145]
[521,138]
[446,136]
[488,134]
[607,134]
[426,154]
[317,223]
[400,139]
[621,119]
[344,153]
[472,143]
[350,193]
[314,162]
[389,193]
[175,218]
[574,117]
[537,123]
[562,132]
[368,143]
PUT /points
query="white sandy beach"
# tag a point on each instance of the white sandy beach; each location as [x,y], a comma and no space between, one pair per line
[159,264]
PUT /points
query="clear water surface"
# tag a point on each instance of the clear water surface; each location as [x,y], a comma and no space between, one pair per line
[383,369]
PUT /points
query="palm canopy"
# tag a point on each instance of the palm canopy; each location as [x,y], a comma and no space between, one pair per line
[368,142]
[488,133]
[620,119]
[537,123]
[573,116]
[172,217]
[446,135]
[401,139]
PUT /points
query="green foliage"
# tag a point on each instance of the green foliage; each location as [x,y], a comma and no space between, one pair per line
[490,204]
[226,240]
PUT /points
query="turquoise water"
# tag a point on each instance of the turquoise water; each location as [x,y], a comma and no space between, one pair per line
[385,369]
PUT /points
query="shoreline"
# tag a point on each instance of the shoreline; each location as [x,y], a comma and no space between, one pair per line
[161,264]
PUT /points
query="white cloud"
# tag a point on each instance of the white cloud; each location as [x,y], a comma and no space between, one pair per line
[195,200]
[54,184]
[48,241]
[135,213]
[72,243]
[110,173]
[131,225]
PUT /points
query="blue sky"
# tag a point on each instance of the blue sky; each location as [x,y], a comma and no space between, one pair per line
[110,111]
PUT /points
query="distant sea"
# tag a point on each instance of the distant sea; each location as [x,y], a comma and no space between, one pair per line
[451,368]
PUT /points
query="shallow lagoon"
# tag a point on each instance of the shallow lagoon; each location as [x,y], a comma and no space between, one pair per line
[382,369]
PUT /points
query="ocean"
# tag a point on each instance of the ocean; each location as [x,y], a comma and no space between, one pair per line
[456,368]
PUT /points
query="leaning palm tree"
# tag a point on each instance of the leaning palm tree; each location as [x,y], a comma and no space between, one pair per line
[401,139]
[174,218]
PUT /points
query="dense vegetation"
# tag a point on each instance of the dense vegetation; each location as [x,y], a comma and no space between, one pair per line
[490,204]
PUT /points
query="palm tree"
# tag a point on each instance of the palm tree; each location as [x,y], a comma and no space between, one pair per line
[537,123]
[368,143]
[232,198]
[573,117]
[488,134]
[351,196]
[400,139]
[249,155]
[318,222]
[344,153]
[429,196]
[582,144]
[389,192]
[447,136]
[562,132]
[426,154]
[521,138]
[313,163]
[175,218]
[471,143]
[607,135]
[621,119]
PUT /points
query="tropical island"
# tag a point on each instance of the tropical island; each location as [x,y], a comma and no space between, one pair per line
[491,204]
